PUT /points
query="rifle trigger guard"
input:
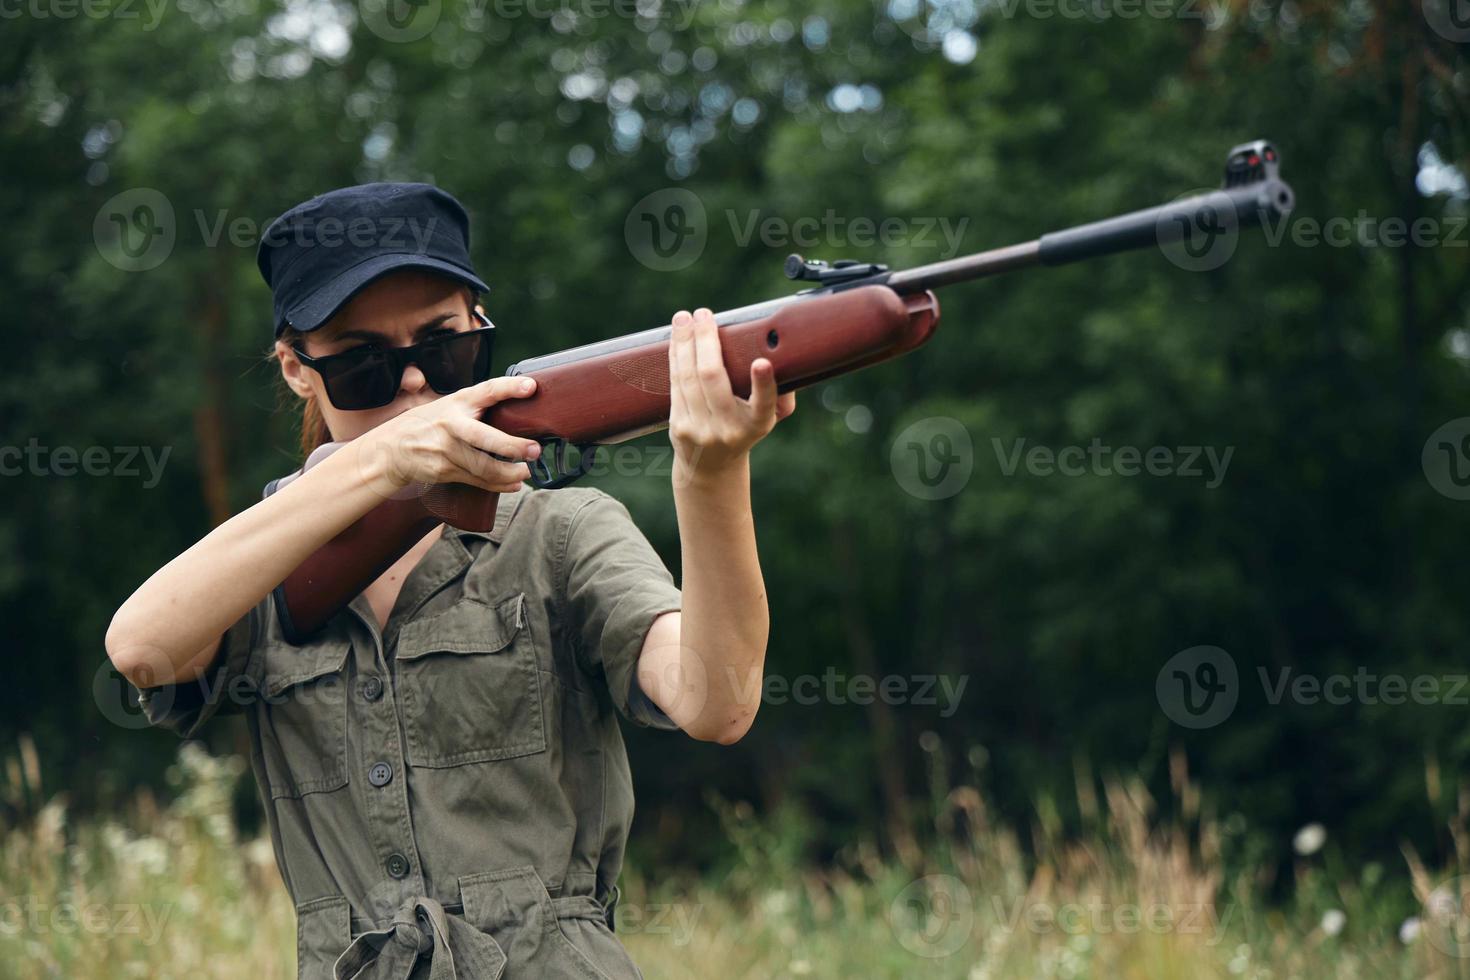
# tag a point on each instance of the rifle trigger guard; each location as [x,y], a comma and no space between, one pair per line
[542,475]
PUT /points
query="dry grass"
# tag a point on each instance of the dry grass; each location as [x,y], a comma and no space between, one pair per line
[171,892]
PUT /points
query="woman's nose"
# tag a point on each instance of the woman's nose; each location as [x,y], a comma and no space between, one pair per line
[413,380]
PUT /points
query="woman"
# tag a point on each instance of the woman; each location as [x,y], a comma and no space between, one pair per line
[442,770]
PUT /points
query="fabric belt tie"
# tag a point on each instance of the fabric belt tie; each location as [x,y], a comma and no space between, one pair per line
[458,951]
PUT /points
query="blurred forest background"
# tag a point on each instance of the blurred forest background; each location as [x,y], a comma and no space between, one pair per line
[1326,548]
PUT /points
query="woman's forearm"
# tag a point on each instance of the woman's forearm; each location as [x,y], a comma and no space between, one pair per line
[724,621]
[189,603]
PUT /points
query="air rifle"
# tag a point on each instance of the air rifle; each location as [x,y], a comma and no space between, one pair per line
[856,314]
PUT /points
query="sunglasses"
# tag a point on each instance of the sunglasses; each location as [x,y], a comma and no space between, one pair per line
[368,376]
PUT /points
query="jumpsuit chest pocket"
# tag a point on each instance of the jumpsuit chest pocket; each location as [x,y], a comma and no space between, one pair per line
[468,683]
[302,713]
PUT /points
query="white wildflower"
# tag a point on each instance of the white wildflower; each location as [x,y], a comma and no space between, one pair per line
[115,838]
[1333,920]
[260,853]
[777,903]
[148,853]
[1309,839]
[50,822]
[1409,930]
[1442,905]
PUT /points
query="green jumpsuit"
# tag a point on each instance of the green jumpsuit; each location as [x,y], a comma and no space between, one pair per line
[450,796]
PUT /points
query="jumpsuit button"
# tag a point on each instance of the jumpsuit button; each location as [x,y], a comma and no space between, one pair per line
[380,774]
[372,688]
[397,865]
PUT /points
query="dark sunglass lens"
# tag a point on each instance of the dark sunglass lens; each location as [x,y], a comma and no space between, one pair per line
[361,382]
[456,361]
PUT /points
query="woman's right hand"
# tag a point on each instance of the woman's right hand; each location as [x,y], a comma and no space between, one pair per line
[444,441]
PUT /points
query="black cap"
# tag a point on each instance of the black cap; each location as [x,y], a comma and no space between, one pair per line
[317,255]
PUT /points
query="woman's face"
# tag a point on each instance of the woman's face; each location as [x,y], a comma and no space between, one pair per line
[402,308]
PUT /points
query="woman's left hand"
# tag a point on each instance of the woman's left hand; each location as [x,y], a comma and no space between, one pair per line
[710,426]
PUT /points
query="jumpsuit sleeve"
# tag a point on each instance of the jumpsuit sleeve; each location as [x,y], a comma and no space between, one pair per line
[615,587]
[226,686]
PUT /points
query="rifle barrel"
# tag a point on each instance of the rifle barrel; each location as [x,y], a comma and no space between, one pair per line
[975,266]
[1214,213]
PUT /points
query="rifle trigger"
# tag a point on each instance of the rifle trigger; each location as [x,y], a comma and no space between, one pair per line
[545,477]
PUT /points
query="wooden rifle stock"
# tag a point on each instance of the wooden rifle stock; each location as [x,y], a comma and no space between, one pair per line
[589,396]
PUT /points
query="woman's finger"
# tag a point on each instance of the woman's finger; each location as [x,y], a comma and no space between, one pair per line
[682,338]
[479,468]
[489,439]
[785,405]
[678,405]
[709,361]
[493,390]
[763,389]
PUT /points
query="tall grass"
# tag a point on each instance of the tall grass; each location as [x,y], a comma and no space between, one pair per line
[172,892]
